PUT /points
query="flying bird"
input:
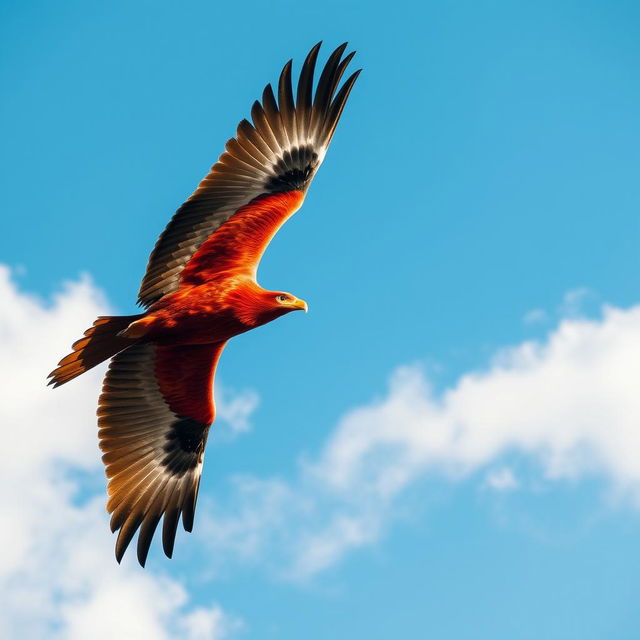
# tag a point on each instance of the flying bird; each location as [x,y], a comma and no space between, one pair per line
[200,290]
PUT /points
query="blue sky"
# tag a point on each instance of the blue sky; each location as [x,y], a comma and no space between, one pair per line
[485,168]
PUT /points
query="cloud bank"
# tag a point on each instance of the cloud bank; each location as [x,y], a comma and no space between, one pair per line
[58,576]
[570,403]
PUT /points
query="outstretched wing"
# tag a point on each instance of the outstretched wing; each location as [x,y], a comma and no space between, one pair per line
[280,152]
[154,416]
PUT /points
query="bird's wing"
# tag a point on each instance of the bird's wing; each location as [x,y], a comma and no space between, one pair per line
[280,152]
[154,416]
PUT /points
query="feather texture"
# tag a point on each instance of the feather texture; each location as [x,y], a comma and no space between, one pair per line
[153,437]
[280,151]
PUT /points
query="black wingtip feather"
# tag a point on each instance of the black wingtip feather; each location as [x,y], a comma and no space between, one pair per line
[285,88]
[189,511]
[305,82]
[339,102]
[146,536]
[169,530]
[127,531]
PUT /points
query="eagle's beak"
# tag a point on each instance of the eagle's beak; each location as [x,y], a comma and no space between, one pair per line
[301,305]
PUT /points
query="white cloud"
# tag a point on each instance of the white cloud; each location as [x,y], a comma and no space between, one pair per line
[58,575]
[208,624]
[570,402]
[536,316]
[501,479]
[575,301]
[234,409]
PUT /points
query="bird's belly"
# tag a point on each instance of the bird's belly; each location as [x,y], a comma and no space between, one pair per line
[194,326]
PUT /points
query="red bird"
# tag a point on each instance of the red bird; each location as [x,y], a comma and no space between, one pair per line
[199,290]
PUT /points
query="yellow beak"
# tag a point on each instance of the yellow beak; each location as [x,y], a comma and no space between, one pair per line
[301,305]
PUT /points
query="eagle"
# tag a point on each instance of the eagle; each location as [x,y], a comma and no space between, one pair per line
[199,290]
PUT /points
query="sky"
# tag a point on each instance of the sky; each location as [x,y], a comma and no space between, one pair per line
[448,443]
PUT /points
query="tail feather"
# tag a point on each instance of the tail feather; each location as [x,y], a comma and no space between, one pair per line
[100,342]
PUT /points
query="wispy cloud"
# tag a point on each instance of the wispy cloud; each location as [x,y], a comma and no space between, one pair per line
[234,409]
[536,316]
[501,479]
[58,576]
[570,402]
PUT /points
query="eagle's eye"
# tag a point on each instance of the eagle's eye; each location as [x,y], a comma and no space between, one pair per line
[282,298]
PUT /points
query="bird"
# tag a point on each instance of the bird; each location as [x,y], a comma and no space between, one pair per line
[199,290]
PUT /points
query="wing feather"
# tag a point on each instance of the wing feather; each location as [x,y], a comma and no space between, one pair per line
[154,416]
[281,151]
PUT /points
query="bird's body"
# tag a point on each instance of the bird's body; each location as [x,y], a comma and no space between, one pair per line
[200,290]
[218,296]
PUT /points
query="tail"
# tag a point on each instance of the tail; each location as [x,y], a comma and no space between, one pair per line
[101,341]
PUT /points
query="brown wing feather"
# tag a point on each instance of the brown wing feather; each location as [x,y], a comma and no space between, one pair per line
[154,416]
[239,243]
[280,151]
